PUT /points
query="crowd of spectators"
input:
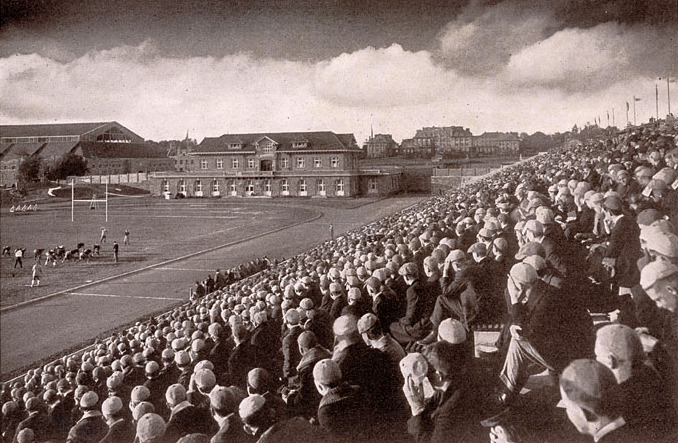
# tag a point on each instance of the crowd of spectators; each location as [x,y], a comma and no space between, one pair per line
[370,336]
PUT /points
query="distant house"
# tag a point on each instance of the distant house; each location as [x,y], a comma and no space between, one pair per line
[108,147]
[496,143]
[295,164]
[380,146]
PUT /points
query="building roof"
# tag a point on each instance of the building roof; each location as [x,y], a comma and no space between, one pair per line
[500,136]
[19,150]
[118,150]
[312,141]
[65,129]
[53,150]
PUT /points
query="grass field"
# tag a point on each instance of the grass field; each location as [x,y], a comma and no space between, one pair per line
[160,230]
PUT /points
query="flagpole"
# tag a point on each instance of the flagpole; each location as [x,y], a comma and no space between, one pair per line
[668,94]
[656,99]
[627,113]
[634,110]
[612,116]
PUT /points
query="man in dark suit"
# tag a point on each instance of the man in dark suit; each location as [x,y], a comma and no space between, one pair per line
[446,416]
[91,427]
[37,420]
[290,349]
[224,408]
[547,328]
[120,428]
[243,358]
[184,417]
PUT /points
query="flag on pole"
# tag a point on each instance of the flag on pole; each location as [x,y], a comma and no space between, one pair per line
[636,99]
[627,106]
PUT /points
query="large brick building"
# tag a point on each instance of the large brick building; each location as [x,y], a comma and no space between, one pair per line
[496,143]
[444,140]
[298,164]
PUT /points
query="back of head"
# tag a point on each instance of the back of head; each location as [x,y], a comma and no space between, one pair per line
[327,372]
[592,386]
[307,340]
[150,428]
[620,342]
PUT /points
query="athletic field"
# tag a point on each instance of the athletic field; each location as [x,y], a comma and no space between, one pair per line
[172,243]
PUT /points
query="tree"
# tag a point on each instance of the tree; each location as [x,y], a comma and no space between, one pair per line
[68,164]
[30,169]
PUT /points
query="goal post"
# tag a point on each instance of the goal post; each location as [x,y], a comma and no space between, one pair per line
[91,201]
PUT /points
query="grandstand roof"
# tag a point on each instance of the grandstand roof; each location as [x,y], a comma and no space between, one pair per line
[286,141]
[118,150]
[51,130]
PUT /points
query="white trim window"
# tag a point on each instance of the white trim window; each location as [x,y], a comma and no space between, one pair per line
[284,162]
[372,185]
[300,162]
[334,162]
[250,187]
[267,185]
[340,185]
[317,162]
[182,187]
[215,185]
[198,186]
[165,186]
[302,185]
[220,163]
[250,163]
[284,185]
[204,164]
[235,163]
[233,188]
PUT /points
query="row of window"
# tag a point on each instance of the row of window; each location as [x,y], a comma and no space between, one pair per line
[284,163]
[249,186]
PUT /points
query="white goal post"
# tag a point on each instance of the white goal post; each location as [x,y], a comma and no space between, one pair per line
[91,201]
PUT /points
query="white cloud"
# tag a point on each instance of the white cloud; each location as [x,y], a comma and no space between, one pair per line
[396,90]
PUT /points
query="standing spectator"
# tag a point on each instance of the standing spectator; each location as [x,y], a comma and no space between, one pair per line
[331,231]
[115,251]
[18,257]
[104,231]
[37,271]
[125,237]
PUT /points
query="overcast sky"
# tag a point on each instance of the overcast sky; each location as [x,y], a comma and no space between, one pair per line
[164,67]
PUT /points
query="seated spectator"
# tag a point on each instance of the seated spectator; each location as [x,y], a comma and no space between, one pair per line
[421,298]
[648,408]
[343,410]
[151,429]
[224,407]
[184,417]
[91,426]
[120,428]
[441,415]
[589,394]
[302,397]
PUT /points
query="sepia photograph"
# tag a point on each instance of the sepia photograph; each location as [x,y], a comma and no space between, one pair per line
[408,221]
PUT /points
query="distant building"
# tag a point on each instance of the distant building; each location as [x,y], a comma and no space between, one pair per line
[380,146]
[496,143]
[123,158]
[108,148]
[444,140]
[295,164]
